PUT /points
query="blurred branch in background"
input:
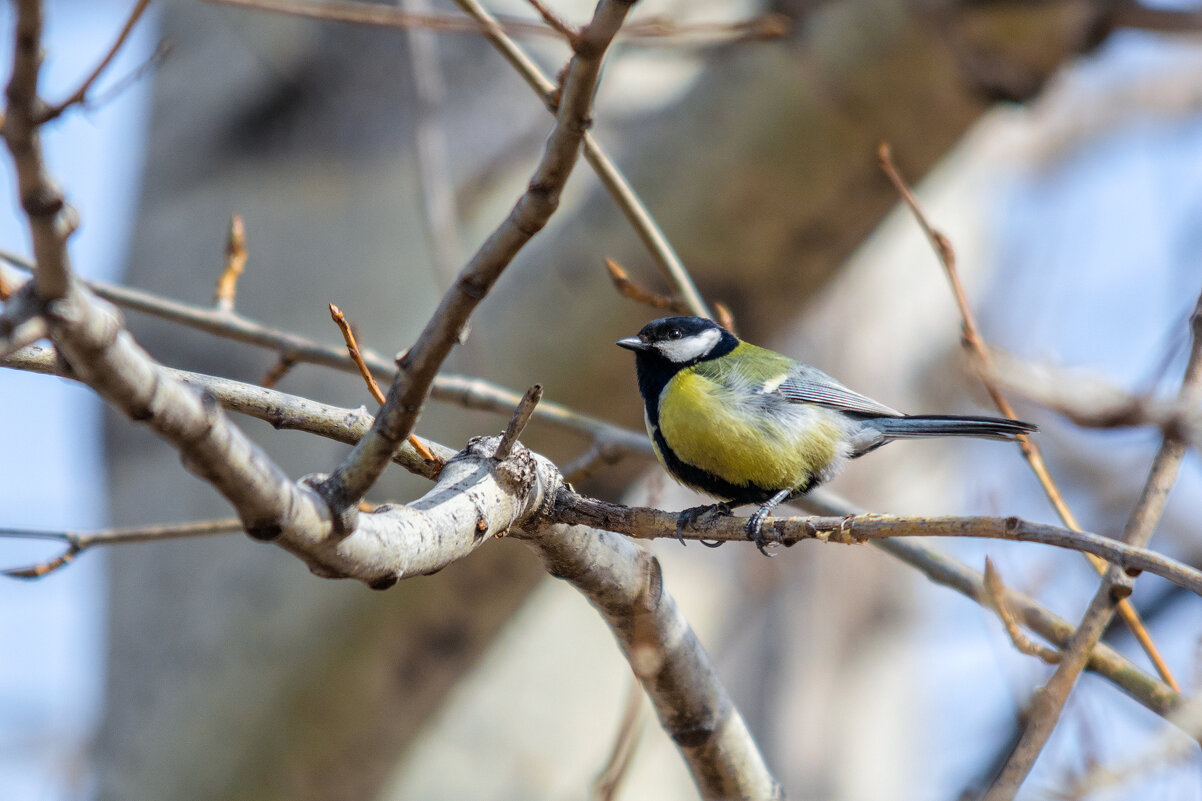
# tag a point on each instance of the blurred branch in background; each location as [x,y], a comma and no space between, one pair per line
[974,343]
[1048,703]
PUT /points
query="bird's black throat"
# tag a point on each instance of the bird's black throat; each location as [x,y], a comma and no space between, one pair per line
[654,372]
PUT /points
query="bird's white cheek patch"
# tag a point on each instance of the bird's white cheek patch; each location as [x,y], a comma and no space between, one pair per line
[689,348]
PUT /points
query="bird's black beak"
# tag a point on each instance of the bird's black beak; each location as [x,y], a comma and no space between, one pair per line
[632,343]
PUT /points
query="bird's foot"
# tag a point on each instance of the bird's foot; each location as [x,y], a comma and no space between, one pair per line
[692,517]
[756,521]
[755,531]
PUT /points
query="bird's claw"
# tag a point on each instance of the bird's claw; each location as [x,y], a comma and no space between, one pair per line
[755,532]
[690,518]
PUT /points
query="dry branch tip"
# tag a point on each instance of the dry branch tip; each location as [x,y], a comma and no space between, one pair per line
[517,423]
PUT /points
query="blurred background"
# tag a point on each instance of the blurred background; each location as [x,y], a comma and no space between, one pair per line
[1061,155]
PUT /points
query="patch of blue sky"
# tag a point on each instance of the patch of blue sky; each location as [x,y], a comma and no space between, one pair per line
[52,473]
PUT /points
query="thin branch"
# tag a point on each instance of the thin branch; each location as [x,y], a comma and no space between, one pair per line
[626,741]
[553,20]
[352,348]
[974,343]
[50,220]
[517,423]
[277,372]
[996,594]
[632,291]
[644,523]
[650,31]
[497,32]
[235,263]
[937,566]
[78,542]
[615,182]
[359,13]
[599,453]
[418,367]
[1049,701]
[80,95]
[471,393]
[283,411]
[1090,401]
[627,288]
[435,187]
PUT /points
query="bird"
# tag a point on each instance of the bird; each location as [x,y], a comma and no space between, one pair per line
[748,425]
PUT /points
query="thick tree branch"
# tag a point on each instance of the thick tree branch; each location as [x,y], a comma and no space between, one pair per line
[625,583]
[417,368]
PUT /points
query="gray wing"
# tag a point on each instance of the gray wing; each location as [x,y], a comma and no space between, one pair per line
[810,385]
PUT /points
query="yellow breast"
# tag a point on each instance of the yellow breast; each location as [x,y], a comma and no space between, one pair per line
[720,429]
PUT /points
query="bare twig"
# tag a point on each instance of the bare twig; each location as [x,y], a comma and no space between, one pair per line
[600,452]
[471,393]
[435,187]
[235,263]
[80,95]
[78,542]
[1092,402]
[417,368]
[277,372]
[553,20]
[724,318]
[615,182]
[626,741]
[996,594]
[940,568]
[352,348]
[650,31]
[47,214]
[974,343]
[646,523]
[281,410]
[359,13]
[945,570]
[629,289]
[517,423]
[1048,703]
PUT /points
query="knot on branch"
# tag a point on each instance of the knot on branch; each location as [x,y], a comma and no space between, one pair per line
[344,517]
[522,474]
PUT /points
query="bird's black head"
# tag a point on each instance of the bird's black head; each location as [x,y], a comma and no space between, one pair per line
[680,341]
[665,347]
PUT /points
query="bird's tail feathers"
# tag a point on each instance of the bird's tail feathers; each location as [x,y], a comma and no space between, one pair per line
[950,425]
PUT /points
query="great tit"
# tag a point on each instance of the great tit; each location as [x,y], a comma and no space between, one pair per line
[748,425]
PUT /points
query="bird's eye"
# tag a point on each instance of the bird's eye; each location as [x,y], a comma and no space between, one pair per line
[674,334]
